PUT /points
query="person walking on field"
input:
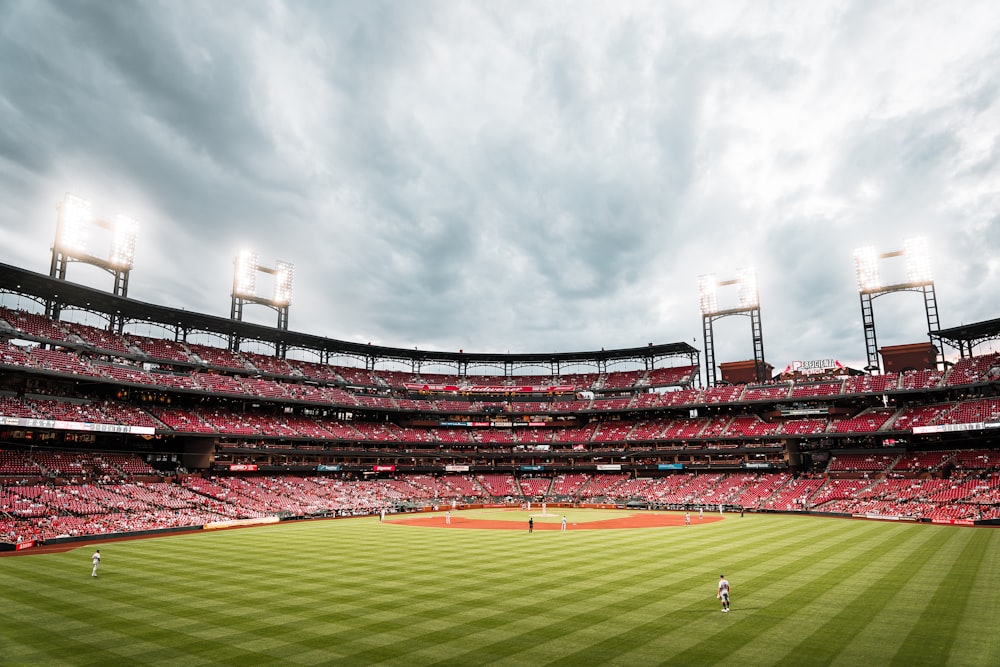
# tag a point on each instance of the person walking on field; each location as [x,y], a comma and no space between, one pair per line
[96,559]
[563,527]
[723,594]
[531,524]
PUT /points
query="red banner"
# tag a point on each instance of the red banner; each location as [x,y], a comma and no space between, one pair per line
[489,389]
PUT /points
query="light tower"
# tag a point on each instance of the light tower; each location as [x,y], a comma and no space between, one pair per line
[918,279]
[748,304]
[74,223]
[246,268]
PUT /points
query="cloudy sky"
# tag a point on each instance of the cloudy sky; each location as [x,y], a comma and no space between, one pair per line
[518,176]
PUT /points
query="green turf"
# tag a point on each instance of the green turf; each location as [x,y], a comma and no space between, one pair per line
[806,591]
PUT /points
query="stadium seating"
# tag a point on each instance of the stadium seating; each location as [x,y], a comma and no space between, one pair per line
[870,463]
[974,411]
[670,376]
[535,487]
[816,389]
[765,393]
[722,394]
[287,413]
[61,362]
[499,485]
[620,380]
[973,370]
[921,379]
[99,338]
[268,365]
[868,421]
[750,427]
[871,384]
[159,349]
[33,325]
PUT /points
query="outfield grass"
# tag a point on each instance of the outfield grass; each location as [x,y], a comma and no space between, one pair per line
[806,591]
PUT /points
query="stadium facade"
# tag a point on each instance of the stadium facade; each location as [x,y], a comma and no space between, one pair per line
[103,425]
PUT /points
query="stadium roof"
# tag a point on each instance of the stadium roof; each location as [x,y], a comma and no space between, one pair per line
[971,334]
[68,294]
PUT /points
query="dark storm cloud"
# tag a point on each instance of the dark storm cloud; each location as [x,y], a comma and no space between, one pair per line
[512,176]
[808,290]
[150,93]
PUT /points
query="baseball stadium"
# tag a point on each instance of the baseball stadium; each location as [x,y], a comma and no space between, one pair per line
[183,487]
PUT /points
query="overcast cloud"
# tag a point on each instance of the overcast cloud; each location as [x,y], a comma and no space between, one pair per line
[523,177]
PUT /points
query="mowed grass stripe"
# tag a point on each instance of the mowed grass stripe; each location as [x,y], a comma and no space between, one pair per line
[809,598]
[687,633]
[357,592]
[931,638]
[892,623]
[436,580]
[681,581]
[505,568]
[857,601]
[519,604]
[523,620]
[977,631]
[603,559]
[232,561]
[783,598]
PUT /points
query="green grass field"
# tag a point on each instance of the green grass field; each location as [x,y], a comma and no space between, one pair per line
[806,591]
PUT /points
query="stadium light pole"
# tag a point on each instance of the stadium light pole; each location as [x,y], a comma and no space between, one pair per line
[748,304]
[245,269]
[918,279]
[74,223]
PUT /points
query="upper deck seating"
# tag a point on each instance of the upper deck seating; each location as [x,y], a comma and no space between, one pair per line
[919,415]
[33,324]
[868,421]
[921,379]
[973,370]
[99,338]
[673,375]
[804,389]
[160,349]
[61,362]
[270,365]
[871,384]
[771,392]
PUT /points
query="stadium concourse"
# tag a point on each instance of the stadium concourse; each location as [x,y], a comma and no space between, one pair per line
[113,430]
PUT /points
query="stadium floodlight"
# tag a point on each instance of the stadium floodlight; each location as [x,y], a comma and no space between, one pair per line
[746,280]
[866,267]
[708,296]
[284,273]
[748,304]
[245,272]
[75,220]
[918,262]
[245,276]
[122,255]
[918,279]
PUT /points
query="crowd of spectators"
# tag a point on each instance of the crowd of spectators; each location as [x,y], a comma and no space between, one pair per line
[100,494]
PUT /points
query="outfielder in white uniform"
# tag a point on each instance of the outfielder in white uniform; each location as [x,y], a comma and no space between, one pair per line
[723,594]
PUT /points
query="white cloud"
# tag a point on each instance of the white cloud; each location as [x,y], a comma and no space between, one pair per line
[523,177]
